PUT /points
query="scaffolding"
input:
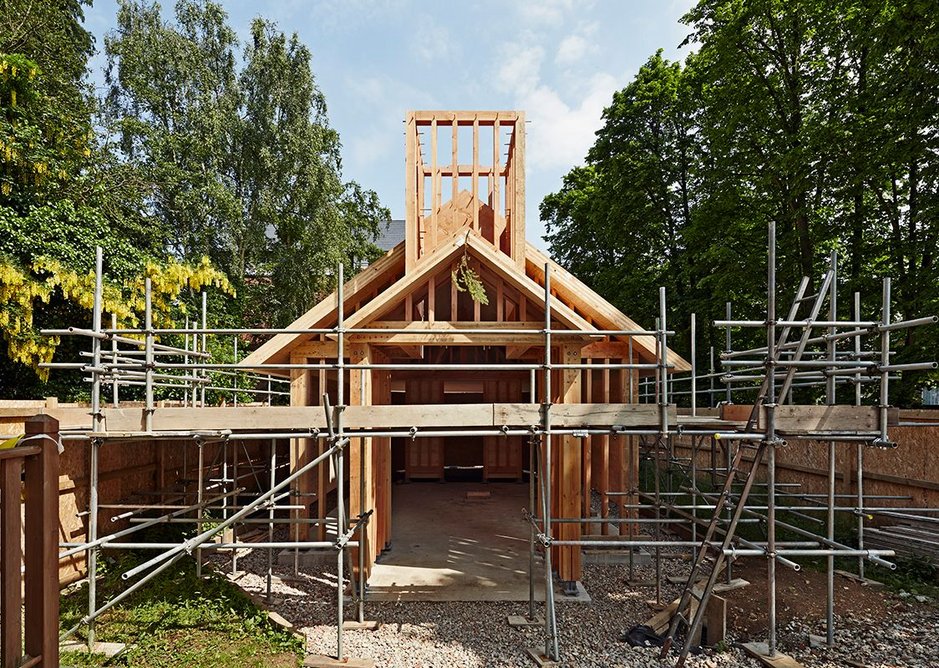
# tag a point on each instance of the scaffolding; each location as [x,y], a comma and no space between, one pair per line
[799,351]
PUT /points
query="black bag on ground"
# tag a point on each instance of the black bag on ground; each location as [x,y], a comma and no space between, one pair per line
[642,636]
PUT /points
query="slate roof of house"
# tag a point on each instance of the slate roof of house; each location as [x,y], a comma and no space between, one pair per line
[390,235]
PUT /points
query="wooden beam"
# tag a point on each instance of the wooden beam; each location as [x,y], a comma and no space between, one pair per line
[495,184]
[569,473]
[605,349]
[411,203]
[361,473]
[434,189]
[463,170]
[326,349]
[11,561]
[805,419]
[426,117]
[406,285]
[517,238]
[454,295]
[502,266]
[276,350]
[500,301]
[454,170]
[128,421]
[475,173]
[572,290]
[415,352]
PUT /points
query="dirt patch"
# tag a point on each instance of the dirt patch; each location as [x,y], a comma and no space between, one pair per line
[800,595]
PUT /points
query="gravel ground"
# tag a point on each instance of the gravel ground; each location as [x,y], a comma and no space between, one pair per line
[432,635]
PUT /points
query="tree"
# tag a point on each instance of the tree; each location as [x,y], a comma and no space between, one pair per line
[61,196]
[819,116]
[620,222]
[243,163]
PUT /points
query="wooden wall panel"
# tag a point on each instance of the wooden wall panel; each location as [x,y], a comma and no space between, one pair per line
[502,456]
[424,457]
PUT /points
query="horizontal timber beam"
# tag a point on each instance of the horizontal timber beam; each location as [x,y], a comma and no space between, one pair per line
[280,418]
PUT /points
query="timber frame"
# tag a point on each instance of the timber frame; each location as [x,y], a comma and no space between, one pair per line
[411,327]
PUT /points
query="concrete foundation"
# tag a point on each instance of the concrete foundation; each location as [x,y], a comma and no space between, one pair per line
[452,543]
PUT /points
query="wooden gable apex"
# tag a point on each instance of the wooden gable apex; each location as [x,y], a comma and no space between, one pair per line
[277,349]
[603,314]
[480,249]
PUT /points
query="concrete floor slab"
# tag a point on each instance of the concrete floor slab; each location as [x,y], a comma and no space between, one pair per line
[450,544]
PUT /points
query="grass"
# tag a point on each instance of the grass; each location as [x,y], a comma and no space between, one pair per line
[179,619]
[918,577]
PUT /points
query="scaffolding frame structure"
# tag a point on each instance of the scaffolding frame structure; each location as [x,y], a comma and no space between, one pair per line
[136,358]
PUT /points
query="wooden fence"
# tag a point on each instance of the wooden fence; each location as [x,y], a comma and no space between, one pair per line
[29,547]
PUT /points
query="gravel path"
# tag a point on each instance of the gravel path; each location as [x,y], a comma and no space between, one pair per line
[433,635]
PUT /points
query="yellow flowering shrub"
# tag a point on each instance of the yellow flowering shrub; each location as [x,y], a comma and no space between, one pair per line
[21,292]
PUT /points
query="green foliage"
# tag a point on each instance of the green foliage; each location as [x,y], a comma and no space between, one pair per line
[819,116]
[915,576]
[196,153]
[466,279]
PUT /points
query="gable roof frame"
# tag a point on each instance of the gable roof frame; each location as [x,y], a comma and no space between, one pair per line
[495,261]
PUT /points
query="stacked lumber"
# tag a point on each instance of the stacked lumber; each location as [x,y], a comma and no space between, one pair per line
[915,537]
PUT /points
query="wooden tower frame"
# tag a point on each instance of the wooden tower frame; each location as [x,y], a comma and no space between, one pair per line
[494,203]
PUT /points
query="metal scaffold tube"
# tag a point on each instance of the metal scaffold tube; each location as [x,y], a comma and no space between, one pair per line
[551,638]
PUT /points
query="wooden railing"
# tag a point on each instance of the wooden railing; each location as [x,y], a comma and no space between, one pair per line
[29,634]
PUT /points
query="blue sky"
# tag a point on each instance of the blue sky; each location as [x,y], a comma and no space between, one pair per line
[558,60]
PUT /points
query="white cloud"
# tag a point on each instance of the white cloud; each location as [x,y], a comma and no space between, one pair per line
[579,43]
[520,69]
[432,41]
[548,12]
[561,133]
[562,126]
[384,101]
[571,49]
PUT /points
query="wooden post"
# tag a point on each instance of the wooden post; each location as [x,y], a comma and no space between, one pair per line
[383,446]
[301,451]
[586,466]
[517,233]
[569,492]
[600,443]
[454,167]
[41,549]
[412,212]
[323,470]
[617,448]
[435,185]
[11,561]
[360,456]
[476,173]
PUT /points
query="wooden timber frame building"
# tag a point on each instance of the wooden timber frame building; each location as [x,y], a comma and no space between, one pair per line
[472,382]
